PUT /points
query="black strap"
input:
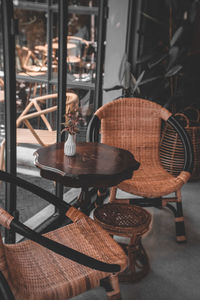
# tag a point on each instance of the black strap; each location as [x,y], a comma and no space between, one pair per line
[5,291]
[51,198]
[65,251]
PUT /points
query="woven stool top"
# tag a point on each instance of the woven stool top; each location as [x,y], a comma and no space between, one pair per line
[122,218]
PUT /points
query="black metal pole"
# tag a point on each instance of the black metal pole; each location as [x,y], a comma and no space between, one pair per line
[10,105]
[103,10]
[49,43]
[62,73]
[133,37]
[62,64]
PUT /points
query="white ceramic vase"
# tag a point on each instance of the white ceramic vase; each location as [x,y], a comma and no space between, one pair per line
[70,145]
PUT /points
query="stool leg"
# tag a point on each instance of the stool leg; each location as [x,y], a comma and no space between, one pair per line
[101,194]
[84,201]
[138,263]
[113,193]
[179,220]
[114,294]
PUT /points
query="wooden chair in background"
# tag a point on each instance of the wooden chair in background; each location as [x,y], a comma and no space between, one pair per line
[36,109]
[29,65]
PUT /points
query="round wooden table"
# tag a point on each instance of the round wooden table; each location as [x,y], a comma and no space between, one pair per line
[94,165]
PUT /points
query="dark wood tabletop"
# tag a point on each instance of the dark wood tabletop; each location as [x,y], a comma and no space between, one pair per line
[94,165]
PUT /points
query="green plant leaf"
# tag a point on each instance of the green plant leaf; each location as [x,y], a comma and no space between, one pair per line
[152,18]
[173,71]
[173,56]
[137,82]
[122,67]
[145,58]
[177,35]
[157,61]
[150,80]
[116,87]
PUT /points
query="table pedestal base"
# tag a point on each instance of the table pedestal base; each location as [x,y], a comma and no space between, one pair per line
[84,201]
[138,262]
[132,222]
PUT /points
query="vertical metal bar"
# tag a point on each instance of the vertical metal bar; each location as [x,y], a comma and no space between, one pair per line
[130,28]
[62,64]
[100,53]
[62,73]
[134,41]
[10,105]
[49,43]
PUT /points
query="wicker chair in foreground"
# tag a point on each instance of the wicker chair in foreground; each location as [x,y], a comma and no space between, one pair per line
[26,133]
[62,263]
[135,124]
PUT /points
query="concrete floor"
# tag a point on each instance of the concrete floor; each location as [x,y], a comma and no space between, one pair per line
[175,268]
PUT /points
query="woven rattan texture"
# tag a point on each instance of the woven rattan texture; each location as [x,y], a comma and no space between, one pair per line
[34,272]
[121,215]
[172,151]
[135,124]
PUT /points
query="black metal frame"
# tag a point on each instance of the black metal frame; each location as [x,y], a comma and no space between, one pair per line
[10,106]
[72,8]
[62,71]
[10,77]
[100,52]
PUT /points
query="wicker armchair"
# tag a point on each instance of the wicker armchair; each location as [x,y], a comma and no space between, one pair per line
[35,109]
[135,124]
[59,264]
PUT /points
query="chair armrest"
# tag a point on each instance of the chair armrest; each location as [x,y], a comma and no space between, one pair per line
[93,128]
[188,149]
[40,192]
[37,113]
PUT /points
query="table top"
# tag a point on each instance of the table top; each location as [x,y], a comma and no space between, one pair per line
[94,165]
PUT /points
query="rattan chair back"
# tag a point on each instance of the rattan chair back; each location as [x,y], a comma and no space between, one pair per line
[133,124]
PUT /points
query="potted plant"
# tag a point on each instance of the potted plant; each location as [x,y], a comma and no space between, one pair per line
[167,70]
[71,125]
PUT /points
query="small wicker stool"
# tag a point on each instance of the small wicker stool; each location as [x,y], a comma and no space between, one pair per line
[132,222]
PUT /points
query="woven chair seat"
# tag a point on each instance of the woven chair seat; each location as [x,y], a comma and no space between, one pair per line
[63,278]
[151,181]
[122,219]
